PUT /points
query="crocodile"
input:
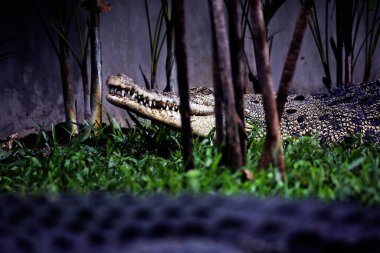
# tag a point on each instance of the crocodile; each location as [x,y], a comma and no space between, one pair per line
[101,223]
[335,117]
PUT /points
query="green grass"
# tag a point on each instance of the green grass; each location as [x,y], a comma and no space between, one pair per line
[149,160]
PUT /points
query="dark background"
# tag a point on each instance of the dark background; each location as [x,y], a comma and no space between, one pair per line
[30,86]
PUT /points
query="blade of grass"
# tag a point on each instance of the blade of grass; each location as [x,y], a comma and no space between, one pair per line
[64,38]
[147,85]
[149,27]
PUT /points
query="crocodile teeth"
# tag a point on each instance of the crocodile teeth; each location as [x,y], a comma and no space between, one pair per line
[134,95]
[154,103]
[123,93]
[150,103]
[167,108]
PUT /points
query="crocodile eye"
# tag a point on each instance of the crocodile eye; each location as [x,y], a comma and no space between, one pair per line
[299,98]
[291,111]
[206,91]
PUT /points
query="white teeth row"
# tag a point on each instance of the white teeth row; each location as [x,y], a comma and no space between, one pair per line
[134,94]
[147,100]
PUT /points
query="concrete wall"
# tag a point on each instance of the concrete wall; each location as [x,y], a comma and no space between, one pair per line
[30,87]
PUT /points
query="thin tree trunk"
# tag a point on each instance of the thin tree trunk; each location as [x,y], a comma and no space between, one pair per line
[96,67]
[169,49]
[232,154]
[339,42]
[218,87]
[169,57]
[347,37]
[153,80]
[67,87]
[181,56]
[367,62]
[347,69]
[327,79]
[237,64]
[273,147]
[292,57]
[86,91]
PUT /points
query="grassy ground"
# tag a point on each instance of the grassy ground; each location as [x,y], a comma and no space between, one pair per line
[149,160]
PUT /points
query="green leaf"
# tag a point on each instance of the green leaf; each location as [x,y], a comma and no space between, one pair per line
[355,163]
[333,46]
[373,4]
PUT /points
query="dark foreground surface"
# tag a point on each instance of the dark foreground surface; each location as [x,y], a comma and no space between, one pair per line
[100,223]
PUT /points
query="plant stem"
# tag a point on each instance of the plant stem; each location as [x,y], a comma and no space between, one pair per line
[237,64]
[224,92]
[169,45]
[181,56]
[338,49]
[272,147]
[67,88]
[348,17]
[96,67]
[292,57]
[86,91]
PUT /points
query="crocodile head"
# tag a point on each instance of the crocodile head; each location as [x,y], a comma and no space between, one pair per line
[163,107]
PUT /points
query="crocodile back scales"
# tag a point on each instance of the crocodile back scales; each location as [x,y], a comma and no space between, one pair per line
[336,117]
[213,223]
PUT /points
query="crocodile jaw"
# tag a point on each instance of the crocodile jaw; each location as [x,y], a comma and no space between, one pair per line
[201,125]
[156,106]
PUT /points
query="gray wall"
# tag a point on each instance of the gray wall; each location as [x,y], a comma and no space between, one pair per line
[30,88]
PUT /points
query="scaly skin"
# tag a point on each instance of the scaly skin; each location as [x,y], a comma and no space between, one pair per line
[334,117]
[99,223]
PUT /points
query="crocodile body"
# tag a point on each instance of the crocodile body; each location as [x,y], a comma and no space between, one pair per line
[334,117]
[240,224]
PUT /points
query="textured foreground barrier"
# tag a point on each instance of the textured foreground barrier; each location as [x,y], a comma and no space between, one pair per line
[100,223]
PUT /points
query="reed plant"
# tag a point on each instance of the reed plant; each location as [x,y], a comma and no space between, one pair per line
[345,44]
